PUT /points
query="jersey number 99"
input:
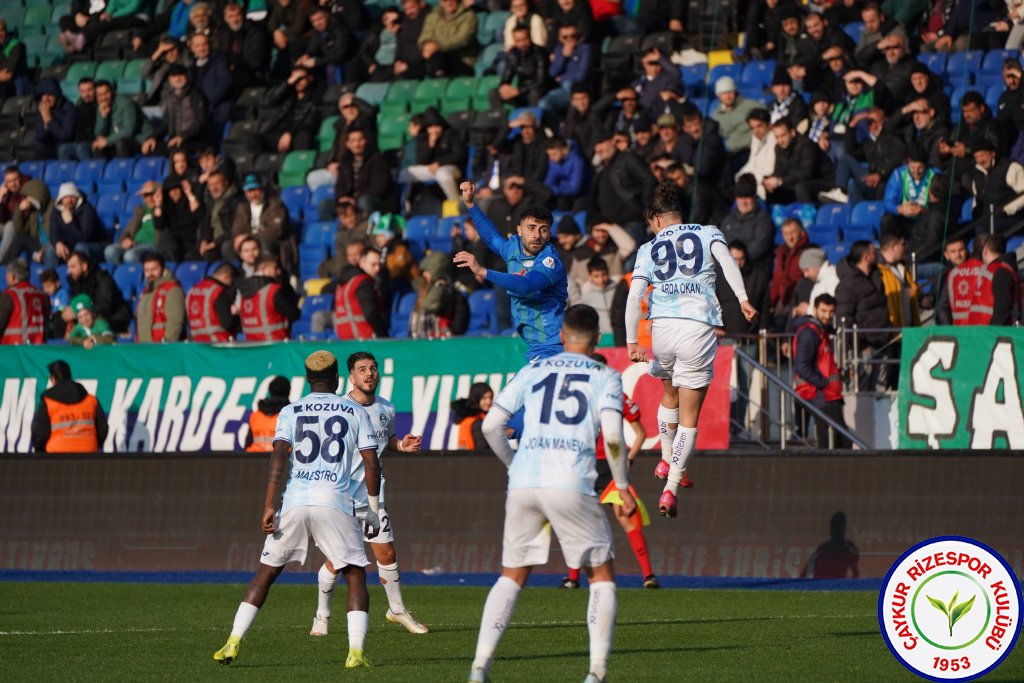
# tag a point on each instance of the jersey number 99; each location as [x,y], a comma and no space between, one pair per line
[330,449]
[685,256]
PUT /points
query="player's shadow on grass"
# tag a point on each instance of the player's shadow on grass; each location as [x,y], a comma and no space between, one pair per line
[586,653]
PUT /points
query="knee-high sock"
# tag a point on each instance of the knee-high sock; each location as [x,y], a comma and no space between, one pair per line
[388,574]
[358,625]
[244,617]
[601,624]
[574,574]
[666,417]
[498,610]
[327,580]
[639,545]
[681,452]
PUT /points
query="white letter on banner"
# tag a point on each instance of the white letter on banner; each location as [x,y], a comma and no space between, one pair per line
[124,396]
[173,420]
[423,391]
[16,413]
[208,395]
[444,408]
[989,415]
[232,411]
[387,380]
[941,420]
[144,432]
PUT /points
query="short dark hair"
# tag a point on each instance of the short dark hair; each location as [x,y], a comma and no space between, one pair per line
[996,243]
[599,358]
[689,111]
[739,245]
[972,97]
[825,298]
[554,142]
[49,275]
[250,238]
[858,249]
[666,201]
[86,79]
[105,84]
[538,212]
[784,121]
[151,256]
[81,256]
[264,260]
[520,27]
[358,356]
[889,239]
[596,263]
[12,169]
[59,370]
[760,114]
[581,318]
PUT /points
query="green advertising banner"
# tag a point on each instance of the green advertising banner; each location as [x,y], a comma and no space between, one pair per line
[197,397]
[960,387]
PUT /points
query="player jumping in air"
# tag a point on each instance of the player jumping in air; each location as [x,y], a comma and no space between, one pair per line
[568,399]
[320,435]
[536,280]
[680,263]
[365,377]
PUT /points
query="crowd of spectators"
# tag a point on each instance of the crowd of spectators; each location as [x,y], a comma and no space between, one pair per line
[848,115]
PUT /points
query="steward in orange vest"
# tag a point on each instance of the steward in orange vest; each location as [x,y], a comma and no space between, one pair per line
[268,306]
[68,419]
[160,315]
[263,421]
[469,415]
[960,287]
[209,307]
[24,310]
[359,312]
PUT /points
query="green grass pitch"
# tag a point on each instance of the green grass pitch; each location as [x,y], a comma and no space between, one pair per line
[130,632]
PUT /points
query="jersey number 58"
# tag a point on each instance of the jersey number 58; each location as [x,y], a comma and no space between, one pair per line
[331,449]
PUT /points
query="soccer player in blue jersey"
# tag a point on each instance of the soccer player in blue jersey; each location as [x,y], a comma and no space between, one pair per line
[364,375]
[569,398]
[318,436]
[680,263]
[536,280]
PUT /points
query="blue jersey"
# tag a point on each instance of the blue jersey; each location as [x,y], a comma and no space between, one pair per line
[563,397]
[678,262]
[539,298]
[326,434]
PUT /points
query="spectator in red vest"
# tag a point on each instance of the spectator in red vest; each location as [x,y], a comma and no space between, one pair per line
[268,304]
[787,271]
[954,254]
[996,298]
[817,374]
[209,306]
[359,311]
[160,314]
[24,309]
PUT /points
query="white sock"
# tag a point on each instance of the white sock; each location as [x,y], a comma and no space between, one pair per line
[666,417]
[388,574]
[327,580]
[244,617]
[501,603]
[358,625]
[601,624]
[681,452]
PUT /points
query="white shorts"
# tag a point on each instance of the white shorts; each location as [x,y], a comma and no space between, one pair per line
[338,536]
[384,533]
[577,520]
[684,352]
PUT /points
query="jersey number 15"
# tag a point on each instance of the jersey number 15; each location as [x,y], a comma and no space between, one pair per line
[685,256]
[547,385]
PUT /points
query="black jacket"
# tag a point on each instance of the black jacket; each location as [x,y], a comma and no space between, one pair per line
[531,67]
[621,190]
[68,393]
[757,281]
[584,129]
[333,47]
[756,231]
[177,228]
[801,161]
[860,299]
[107,300]
[293,115]
[187,116]
[449,150]
[1004,292]
[372,180]
[529,161]
[707,155]
[883,155]
[247,51]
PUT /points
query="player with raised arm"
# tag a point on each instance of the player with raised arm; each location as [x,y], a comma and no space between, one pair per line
[568,399]
[536,280]
[680,263]
[365,377]
[318,436]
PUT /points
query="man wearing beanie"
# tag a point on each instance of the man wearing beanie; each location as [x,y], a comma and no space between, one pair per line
[998,188]
[820,274]
[787,103]
[731,115]
[906,193]
[748,222]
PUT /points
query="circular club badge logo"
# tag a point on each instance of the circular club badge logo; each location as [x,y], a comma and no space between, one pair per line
[949,609]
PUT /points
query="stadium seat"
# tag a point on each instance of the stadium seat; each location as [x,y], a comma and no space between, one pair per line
[459,95]
[717,57]
[731,70]
[295,167]
[401,91]
[491,29]
[805,213]
[314,304]
[80,70]
[33,169]
[294,199]
[854,232]
[967,211]
[315,286]
[190,273]
[954,99]
[391,131]
[935,61]
[487,59]
[868,213]
[1014,243]
[854,29]
[310,258]
[115,173]
[986,81]
[58,172]
[319,233]
[88,174]
[693,79]
[133,68]
[111,71]
[421,228]
[109,207]
[993,61]
[961,65]
[757,74]
[324,193]
[36,15]
[832,215]
[400,313]
[992,96]
[372,93]
[429,93]
[823,235]
[481,313]
[149,168]
[836,252]
[128,278]
[325,138]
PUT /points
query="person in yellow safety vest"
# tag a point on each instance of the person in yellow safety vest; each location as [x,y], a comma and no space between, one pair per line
[263,421]
[68,419]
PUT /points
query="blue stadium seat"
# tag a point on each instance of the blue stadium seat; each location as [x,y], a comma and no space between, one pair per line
[854,29]
[935,61]
[993,61]
[110,206]
[836,252]
[400,312]
[823,235]
[954,100]
[319,233]
[128,278]
[88,174]
[149,168]
[757,74]
[294,199]
[301,329]
[731,70]
[481,313]
[693,79]
[437,243]
[115,173]
[967,211]
[1014,243]
[443,228]
[33,169]
[986,81]
[57,172]
[992,96]
[805,213]
[868,213]
[313,304]
[372,93]
[317,197]
[832,215]
[963,64]
[419,229]
[581,220]
[860,231]
[310,258]
[189,273]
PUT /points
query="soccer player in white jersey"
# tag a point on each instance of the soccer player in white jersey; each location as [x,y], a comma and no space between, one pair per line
[365,377]
[568,399]
[318,436]
[680,263]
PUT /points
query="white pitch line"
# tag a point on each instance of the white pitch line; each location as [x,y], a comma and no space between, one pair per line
[645,622]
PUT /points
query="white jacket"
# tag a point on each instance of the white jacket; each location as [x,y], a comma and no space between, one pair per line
[826,283]
[761,162]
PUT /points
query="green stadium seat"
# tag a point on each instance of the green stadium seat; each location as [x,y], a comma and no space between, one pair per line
[133,69]
[15,16]
[372,93]
[327,133]
[402,91]
[33,3]
[487,58]
[37,15]
[80,70]
[459,95]
[391,131]
[394,107]
[295,167]
[70,90]
[32,30]
[429,93]
[111,71]
[129,86]
[483,88]
[35,48]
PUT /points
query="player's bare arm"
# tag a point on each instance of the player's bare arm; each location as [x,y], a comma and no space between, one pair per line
[278,463]
[468,192]
[639,436]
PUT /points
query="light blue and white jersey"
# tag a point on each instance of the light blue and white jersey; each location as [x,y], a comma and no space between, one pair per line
[678,262]
[564,397]
[326,435]
[382,418]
